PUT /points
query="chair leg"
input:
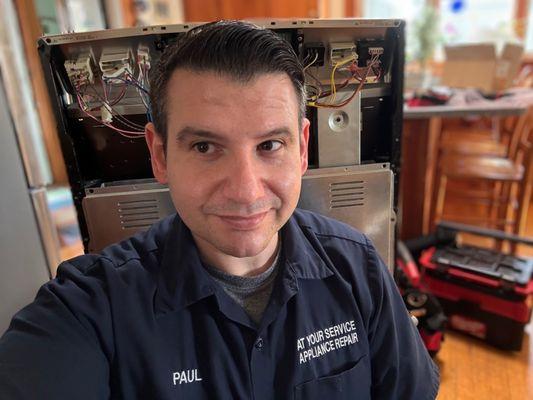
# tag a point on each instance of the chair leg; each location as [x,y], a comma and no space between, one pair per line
[524,193]
[505,206]
[499,210]
[494,204]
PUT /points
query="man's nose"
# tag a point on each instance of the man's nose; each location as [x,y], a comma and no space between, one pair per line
[244,180]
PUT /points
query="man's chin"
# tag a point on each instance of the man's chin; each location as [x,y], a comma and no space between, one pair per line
[242,250]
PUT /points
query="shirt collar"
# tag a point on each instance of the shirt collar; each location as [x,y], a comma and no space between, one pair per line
[303,252]
[183,280]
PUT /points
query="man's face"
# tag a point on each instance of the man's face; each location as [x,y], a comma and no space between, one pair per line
[234,159]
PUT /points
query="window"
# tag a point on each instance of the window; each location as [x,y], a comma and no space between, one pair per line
[468,21]
[407,10]
[461,21]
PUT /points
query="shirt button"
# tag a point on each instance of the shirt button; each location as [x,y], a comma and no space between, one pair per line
[259,343]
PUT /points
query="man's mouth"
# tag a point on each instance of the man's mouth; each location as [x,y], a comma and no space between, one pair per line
[244,223]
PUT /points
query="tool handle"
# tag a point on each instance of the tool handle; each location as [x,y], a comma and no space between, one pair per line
[493,233]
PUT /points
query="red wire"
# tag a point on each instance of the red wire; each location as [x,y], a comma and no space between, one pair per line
[359,87]
[125,133]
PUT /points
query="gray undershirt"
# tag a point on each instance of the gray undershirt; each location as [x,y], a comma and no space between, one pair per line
[250,292]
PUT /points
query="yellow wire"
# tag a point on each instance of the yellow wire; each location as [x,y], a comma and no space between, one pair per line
[332,84]
[313,102]
[332,78]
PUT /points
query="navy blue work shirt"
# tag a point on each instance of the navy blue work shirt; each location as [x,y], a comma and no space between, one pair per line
[144,320]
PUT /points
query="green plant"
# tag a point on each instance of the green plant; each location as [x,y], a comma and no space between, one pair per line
[425,35]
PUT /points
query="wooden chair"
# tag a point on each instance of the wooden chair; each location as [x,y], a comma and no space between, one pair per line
[494,140]
[475,143]
[509,177]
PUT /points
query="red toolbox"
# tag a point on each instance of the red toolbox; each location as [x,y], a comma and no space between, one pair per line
[484,293]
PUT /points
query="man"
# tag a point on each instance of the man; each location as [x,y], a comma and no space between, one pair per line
[239,296]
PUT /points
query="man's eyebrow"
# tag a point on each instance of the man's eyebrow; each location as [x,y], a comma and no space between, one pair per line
[281,131]
[189,132]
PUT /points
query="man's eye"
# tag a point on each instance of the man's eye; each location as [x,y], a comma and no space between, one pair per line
[204,147]
[270,145]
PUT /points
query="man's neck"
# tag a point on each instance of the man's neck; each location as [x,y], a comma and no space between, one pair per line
[240,266]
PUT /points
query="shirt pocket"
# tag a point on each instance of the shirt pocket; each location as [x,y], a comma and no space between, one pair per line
[352,384]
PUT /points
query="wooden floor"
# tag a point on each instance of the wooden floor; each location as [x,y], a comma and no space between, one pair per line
[470,369]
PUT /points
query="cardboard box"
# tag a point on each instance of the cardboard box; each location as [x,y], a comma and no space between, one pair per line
[478,66]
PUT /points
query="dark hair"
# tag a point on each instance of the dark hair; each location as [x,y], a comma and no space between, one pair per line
[240,50]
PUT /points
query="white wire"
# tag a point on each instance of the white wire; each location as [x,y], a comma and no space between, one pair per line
[312,62]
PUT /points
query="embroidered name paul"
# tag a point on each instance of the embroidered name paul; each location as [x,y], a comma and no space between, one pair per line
[185,376]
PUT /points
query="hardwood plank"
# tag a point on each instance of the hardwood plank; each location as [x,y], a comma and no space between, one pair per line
[472,369]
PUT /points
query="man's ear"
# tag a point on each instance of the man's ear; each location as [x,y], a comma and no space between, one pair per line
[304,142]
[157,153]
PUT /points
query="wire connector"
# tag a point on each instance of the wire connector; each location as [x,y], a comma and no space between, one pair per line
[80,70]
[338,52]
[143,56]
[115,62]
